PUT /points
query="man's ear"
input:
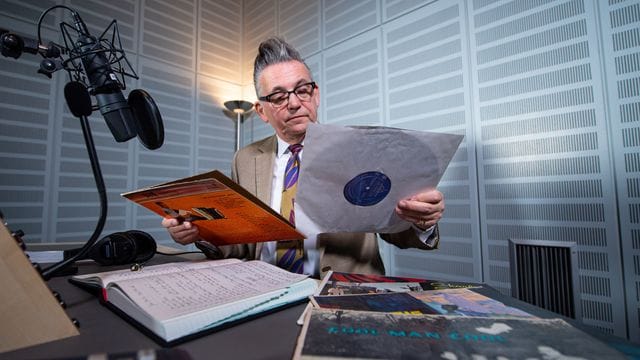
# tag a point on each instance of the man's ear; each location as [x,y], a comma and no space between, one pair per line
[317,95]
[260,111]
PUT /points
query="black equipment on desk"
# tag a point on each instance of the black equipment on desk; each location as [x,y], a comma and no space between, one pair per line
[127,247]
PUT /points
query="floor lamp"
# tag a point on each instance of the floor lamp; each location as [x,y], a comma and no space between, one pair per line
[240,108]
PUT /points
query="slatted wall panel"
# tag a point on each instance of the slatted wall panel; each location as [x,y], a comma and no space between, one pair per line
[259,23]
[353,81]
[394,8]
[169,31]
[174,90]
[220,61]
[220,39]
[26,126]
[542,130]
[216,131]
[304,35]
[427,82]
[343,19]
[621,28]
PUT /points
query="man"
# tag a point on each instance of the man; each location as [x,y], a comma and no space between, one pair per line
[288,101]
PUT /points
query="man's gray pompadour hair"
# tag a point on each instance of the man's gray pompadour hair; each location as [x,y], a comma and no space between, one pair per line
[274,50]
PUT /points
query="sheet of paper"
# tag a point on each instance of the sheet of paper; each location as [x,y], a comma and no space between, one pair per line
[351,178]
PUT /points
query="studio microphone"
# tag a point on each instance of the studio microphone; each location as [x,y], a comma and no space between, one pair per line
[104,84]
[138,115]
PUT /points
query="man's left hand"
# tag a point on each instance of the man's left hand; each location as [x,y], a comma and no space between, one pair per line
[423,209]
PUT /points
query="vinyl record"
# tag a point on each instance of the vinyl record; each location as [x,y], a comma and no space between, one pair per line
[368,188]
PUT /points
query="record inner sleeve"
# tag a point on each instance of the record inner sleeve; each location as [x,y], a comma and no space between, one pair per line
[351,178]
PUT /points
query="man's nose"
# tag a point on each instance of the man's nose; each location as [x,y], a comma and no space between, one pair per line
[294,102]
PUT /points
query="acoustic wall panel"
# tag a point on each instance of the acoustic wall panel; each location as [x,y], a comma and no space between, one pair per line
[542,130]
[216,130]
[621,28]
[260,19]
[173,89]
[26,124]
[259,23]
[29,12]
[220,39]
[169,32]
[352,74]
[427,82]
[394,8]
[304,35]
[25,129]
[343,19]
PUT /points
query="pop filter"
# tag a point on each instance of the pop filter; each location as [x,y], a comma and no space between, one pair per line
[148,121]
[78,98]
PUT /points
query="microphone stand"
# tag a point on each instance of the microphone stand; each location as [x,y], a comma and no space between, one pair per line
[102,192]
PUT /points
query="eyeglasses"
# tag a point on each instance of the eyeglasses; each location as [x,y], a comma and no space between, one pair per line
[281,98]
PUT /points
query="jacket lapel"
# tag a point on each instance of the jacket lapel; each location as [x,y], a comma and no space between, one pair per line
[264,162]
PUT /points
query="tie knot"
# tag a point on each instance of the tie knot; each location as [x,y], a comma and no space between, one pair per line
[295,148]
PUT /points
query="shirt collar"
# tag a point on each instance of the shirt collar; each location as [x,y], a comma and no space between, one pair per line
[283,147]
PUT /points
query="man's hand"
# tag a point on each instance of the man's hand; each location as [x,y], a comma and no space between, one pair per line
[183,233]
[423,209]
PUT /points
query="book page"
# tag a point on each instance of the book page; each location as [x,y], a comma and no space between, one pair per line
[175,294]
[238,310]
[107,277]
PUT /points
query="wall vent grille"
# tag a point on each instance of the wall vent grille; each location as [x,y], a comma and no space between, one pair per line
[544,273]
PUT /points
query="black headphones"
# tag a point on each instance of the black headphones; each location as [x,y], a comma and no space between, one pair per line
[133,246]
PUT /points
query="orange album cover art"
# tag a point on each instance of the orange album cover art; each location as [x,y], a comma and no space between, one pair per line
[224,212]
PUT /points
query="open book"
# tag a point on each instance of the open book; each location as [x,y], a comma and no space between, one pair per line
[178,301]
[224,212]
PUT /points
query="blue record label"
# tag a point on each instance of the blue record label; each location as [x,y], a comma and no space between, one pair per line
[368,188]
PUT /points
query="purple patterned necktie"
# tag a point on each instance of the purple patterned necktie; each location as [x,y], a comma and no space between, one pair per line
[289,254]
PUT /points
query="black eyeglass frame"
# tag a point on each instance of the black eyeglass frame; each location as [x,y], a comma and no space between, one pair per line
[267,98]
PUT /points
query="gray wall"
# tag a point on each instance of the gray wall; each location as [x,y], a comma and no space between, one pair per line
[545,92]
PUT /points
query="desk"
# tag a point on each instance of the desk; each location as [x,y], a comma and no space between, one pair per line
[272,336]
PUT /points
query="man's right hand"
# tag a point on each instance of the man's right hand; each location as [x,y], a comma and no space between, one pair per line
[183,233]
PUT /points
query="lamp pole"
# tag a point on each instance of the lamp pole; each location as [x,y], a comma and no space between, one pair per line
[239,107]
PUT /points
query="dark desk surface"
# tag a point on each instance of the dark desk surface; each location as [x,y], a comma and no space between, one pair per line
[272,336]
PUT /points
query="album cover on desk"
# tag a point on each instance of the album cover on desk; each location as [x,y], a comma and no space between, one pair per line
[179,301]
[224,212]
[379,293]
[345,334]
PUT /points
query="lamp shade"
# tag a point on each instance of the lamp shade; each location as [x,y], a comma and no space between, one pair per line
[238,106]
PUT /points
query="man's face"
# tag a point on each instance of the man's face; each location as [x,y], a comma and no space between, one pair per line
[290,120]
